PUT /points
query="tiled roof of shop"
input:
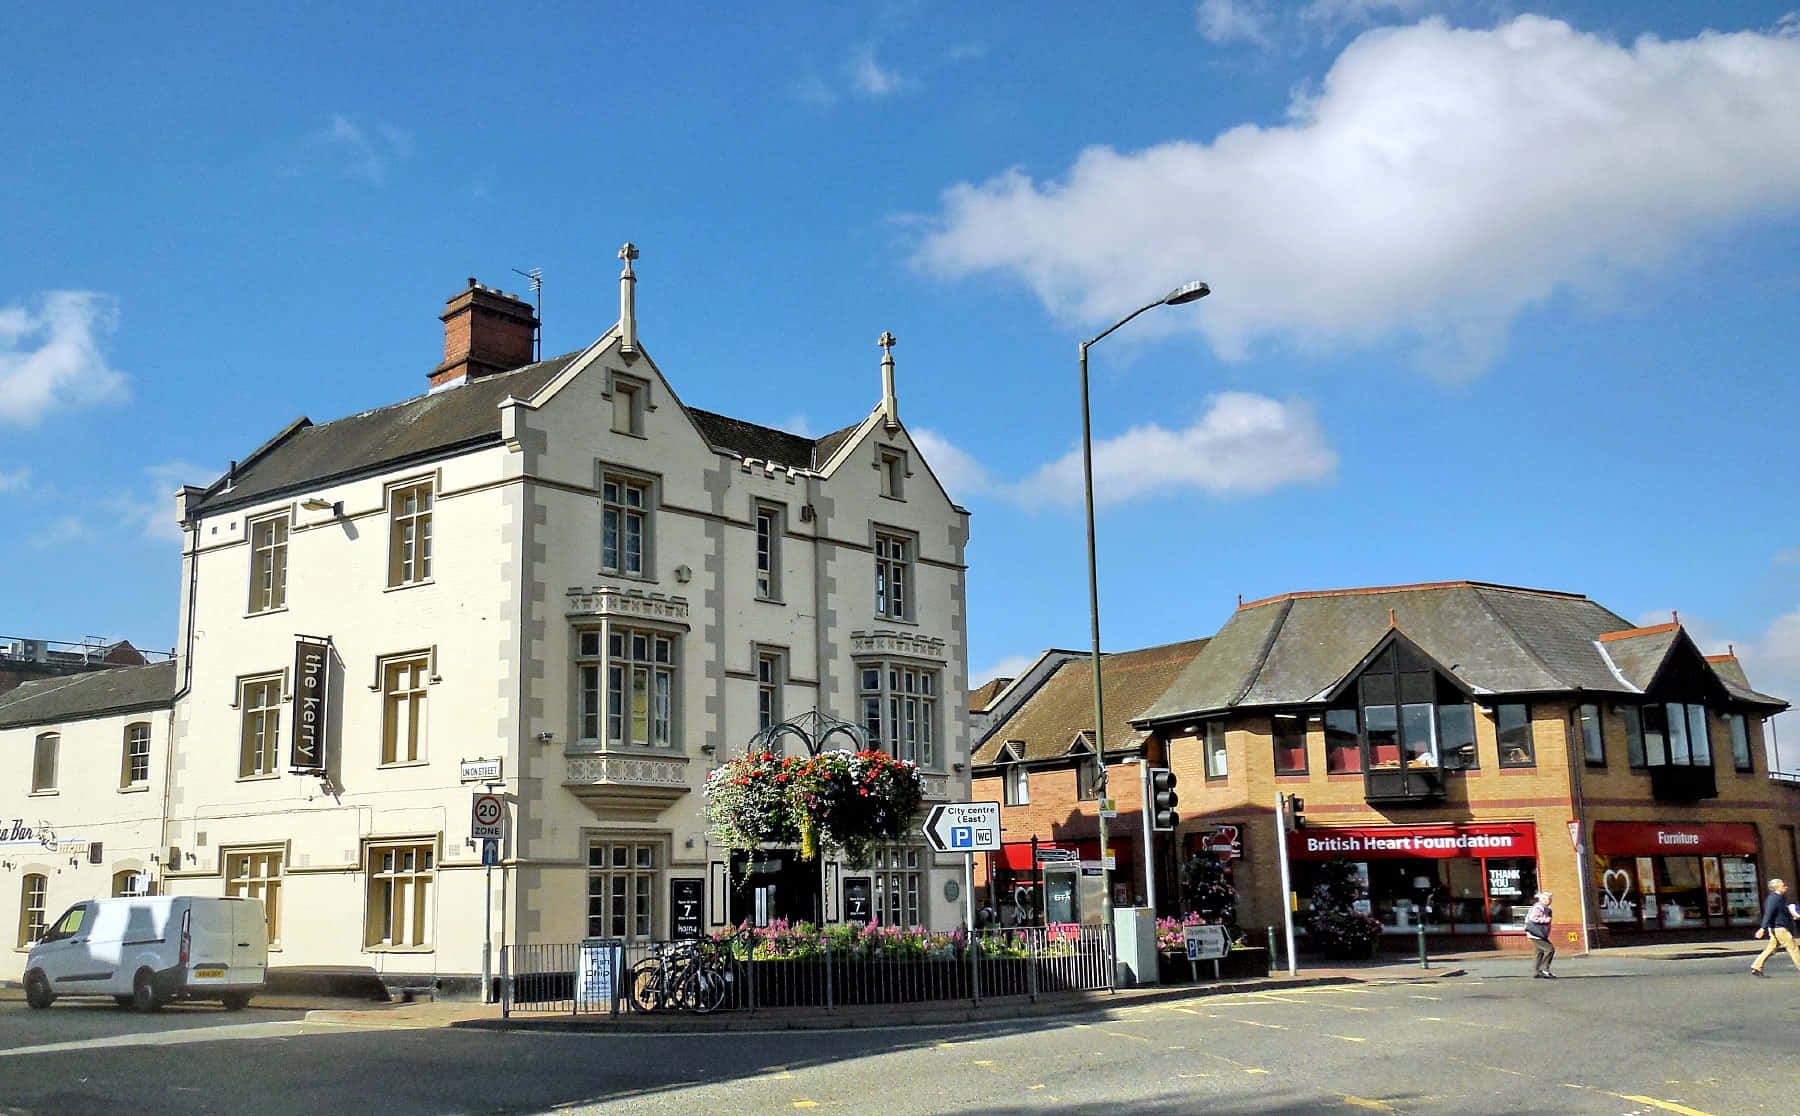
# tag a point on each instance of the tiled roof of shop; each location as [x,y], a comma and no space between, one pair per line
[981,695]
[73,697]
[1062,709]
[1499,639]
[746,439]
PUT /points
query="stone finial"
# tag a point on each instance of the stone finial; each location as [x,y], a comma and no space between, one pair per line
[628,301]
[890,406]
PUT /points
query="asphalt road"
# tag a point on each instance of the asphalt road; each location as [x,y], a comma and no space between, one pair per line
[1612,1036]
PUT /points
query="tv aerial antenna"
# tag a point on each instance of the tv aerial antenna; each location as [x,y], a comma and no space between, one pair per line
[536,275]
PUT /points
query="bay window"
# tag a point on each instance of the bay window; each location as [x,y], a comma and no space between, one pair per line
[898,703]
[626,682]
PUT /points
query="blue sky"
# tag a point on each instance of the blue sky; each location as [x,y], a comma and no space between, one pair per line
[1501,293]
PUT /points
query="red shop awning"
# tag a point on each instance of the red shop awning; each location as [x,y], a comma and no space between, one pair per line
[1685,839]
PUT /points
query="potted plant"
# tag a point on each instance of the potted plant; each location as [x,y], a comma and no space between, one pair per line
[1334,926]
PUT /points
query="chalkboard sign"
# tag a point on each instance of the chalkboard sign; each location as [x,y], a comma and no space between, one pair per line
[859,899]
[687,900]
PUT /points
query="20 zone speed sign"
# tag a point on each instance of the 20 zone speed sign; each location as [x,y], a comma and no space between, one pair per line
[484,819]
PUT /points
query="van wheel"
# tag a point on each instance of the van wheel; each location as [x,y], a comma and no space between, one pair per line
[235,1001]
[37,990]
[143,992]
[122,1001]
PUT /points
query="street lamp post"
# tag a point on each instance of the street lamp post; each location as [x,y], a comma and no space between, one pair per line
[1187,292]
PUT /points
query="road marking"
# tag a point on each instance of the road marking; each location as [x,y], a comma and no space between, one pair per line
[1364,1102]
[1666,1106]
[282,1028]
[806,1104]
[1428,1019]
[983,1062]
[1346,1038]
[1036,1087]
[1496,1069]
[1418,996]
[1254,1023]
[1123,1035]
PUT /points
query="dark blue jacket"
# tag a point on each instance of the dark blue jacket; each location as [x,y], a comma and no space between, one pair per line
[1776,915]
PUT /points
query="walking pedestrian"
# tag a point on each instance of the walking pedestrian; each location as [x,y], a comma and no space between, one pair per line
[1778,924]
[1537,928]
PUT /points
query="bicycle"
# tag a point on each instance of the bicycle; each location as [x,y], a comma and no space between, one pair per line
[691,975]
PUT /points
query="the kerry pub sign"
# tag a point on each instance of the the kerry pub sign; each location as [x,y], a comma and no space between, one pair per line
[312,688]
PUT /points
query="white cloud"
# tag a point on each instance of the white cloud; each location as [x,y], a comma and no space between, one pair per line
[1337,14]
[50,355]
[150,508]
[1439,183]
[961,475]
[1010,667]
[1243,444]
[67,528]
[15,481]
[366,154]
[870,78]
[1770,660]
[1227,21]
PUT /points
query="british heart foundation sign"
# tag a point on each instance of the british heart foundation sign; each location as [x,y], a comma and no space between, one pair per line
[312,675]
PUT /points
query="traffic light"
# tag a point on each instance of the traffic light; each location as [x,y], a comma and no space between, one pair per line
[1163,800]
[1296,812]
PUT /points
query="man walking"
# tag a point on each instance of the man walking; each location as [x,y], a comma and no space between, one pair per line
[1537,928]
[1778,924]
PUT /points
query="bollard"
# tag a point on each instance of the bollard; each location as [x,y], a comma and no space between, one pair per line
[1424,963]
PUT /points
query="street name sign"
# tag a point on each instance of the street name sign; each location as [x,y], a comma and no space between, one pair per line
[965,827]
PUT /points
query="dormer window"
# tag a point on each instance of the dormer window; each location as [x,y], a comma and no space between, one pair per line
[1415,723]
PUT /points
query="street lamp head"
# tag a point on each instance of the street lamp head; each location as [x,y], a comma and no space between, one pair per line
[1187,292]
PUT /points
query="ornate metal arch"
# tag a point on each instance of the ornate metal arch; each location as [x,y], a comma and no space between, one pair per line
[815,731]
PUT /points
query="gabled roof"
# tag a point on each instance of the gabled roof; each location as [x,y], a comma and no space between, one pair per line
[1731,672]
[1496,639]
[746,439]
[96,693]
[1059,716]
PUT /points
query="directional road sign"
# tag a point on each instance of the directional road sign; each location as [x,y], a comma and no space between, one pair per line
[968,827]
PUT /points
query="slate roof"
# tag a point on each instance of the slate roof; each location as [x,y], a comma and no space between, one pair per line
[1498,639]
[426,425]
[92,694]
[1731,672]
[1062,709]
[465,416]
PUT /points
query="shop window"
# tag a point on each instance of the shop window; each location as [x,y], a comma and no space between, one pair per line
[1676,735]
[1413,719]
[1740,742]
[1343,749]
[623,879]
[1512,734]
[1289,732]
[1215,750]
[1456,732]
[1593,740]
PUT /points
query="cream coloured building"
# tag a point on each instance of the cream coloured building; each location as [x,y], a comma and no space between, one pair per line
[551,580]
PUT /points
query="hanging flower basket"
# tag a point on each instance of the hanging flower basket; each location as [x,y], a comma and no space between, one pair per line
[832,801]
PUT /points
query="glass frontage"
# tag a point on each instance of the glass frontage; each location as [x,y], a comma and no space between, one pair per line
[1455,879]
[1709,882]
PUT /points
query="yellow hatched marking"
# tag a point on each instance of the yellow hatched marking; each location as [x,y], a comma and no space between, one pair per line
[1123,1035]
[1422,996]
[1254,1023]
[1346,1038]
[1495,1069]
[983,1062]
[1193,1075]
[1036,1087]
[1428,1019]
[1364,1102]
[806,1104]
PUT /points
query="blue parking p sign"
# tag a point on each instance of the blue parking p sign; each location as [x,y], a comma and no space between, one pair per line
[965,827]
[962,836]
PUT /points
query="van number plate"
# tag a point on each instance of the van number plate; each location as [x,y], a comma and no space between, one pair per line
[204,974]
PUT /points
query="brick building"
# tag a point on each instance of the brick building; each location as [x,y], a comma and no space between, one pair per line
[1465,744]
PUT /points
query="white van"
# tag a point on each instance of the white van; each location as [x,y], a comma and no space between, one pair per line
[144,951]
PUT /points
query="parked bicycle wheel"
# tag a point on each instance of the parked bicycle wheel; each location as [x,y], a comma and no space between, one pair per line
[709,987]
[647,984]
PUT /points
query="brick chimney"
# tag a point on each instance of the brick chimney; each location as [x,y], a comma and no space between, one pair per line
[485,331]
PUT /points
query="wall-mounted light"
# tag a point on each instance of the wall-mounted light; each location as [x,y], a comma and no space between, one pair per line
[684,574]
[709,749]
[319,503]
[545,737]
[958,767]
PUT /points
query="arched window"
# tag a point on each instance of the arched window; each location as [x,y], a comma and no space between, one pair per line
[43,762]
[31,908]
[135,767]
